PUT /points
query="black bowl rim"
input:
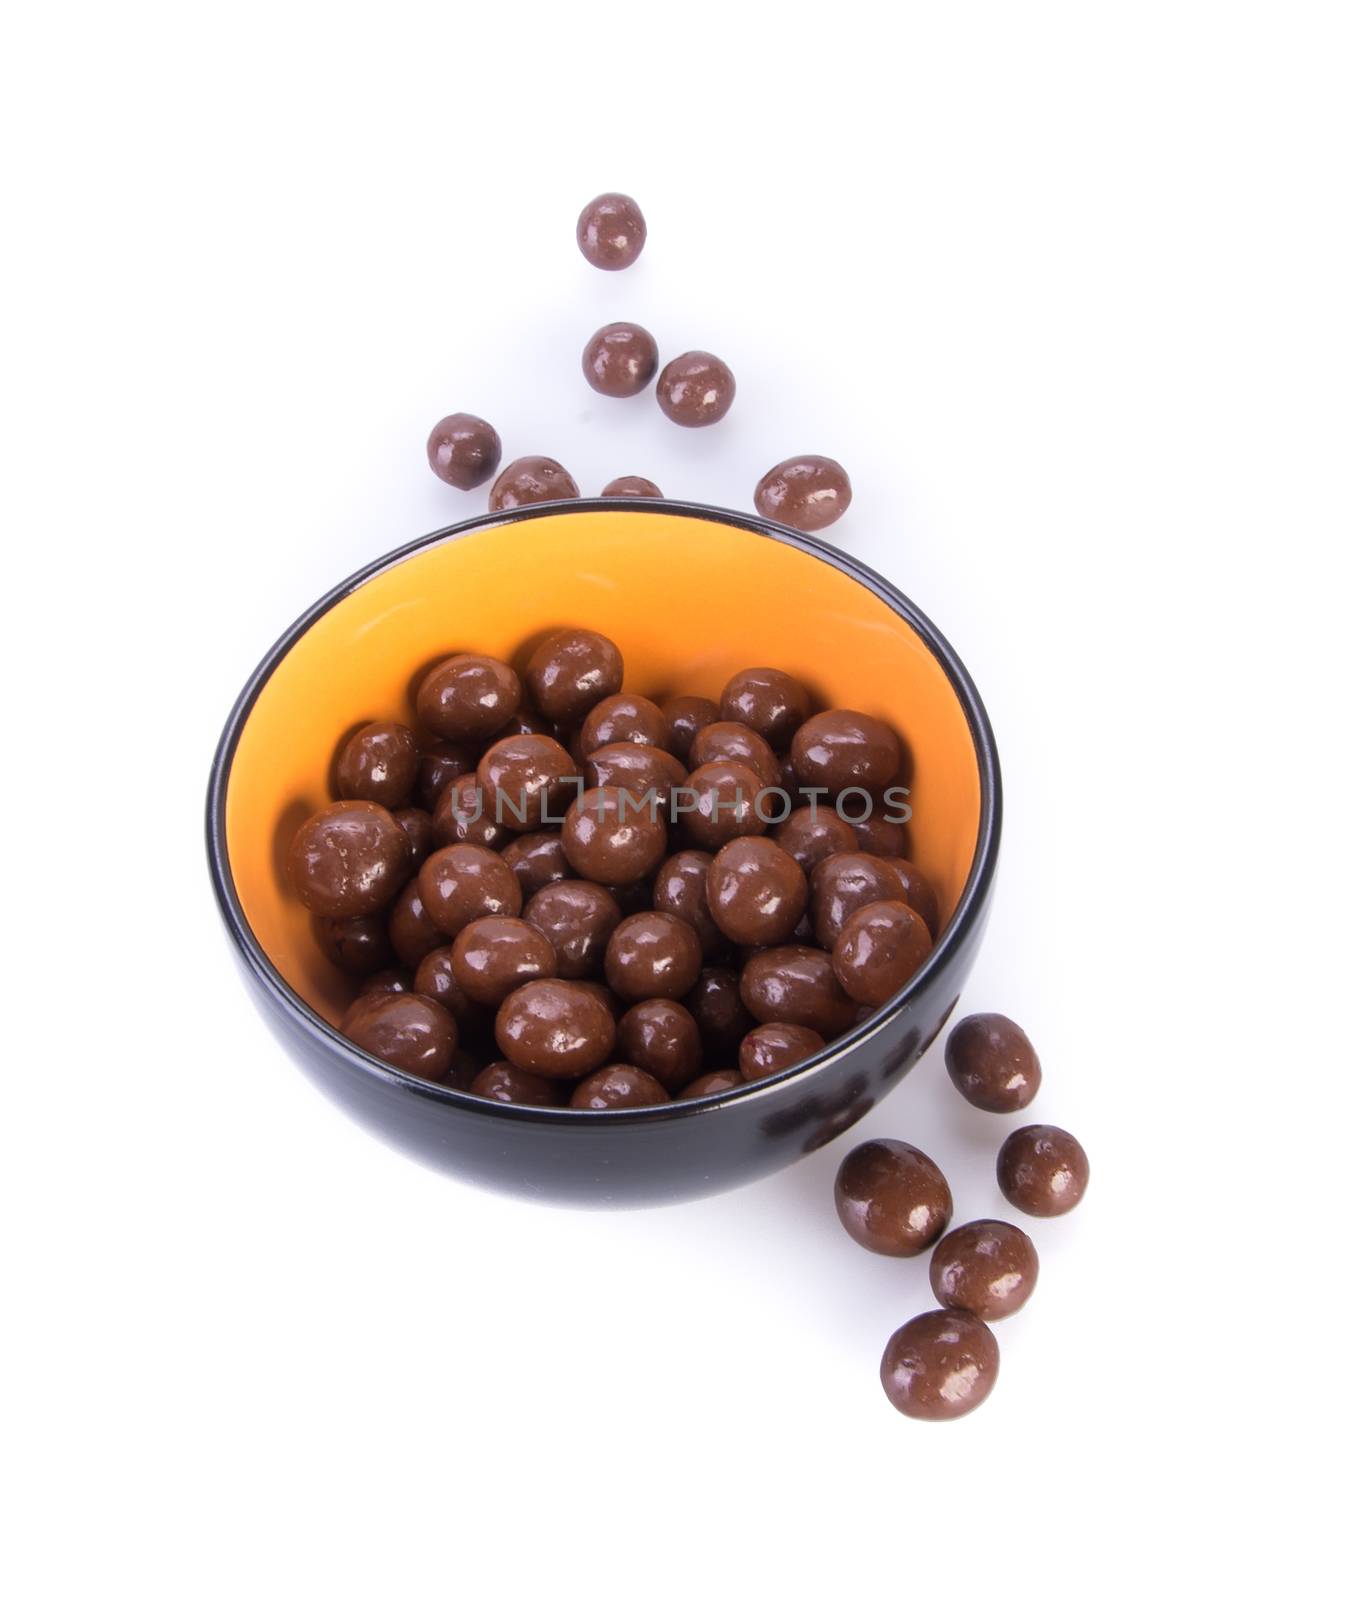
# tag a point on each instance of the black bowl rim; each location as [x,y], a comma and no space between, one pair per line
[967,911]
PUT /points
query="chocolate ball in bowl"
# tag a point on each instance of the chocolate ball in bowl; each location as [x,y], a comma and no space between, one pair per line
[555,1028]
[767,700]
[628,717]
[722,804]
[571,670]
[661,1036]
[413,933]
[404,1030]
[652,955]
[358,946]
[578,918]
[838,750]
[686,715]
[379,763]
[511,1086]
[844,883]
[680,888]
[349,859]
[774,1046]
[879,949]
[756,892]
[465,815]
[613,837]
[495,955]
[643,769]
[468,697]
[732,741]
[618,1088]
[810,834]
[528,781]
[536,860]
[796,983]
[466,881]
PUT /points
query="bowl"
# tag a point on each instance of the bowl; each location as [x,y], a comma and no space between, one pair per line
[691,594]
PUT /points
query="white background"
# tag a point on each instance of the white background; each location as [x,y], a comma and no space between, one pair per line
[1068,288]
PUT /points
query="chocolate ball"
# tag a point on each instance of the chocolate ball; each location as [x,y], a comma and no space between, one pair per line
[577,918]
[465,815]
[892,1198]
[511,1086]
[623,717]
[1042,1170]
[810,834]
[680,890]
[844,883]
[940,1365]
[731,741]
[918,892]
[528,780]
[992,1063]
[711,1083]
[530,480]
[618,1088]
[441,764]
[614,837]
[571,670]
[464,450]
[661,1036]
[536,860]
[495,955]
[643,769]
[721,1016]
[837,750]
[686,715]
[796,983]
[413,933]
[555,1028]
[804,492]
[436,979]
[986,1268]
[774,1046]
[348,860]
[405,1030]
[879,949]
[878,835]
[468,697]
[379,763]
[652,956]
[632,488]
[358,946]
[611,232]
[466,881]
[418,830]
[695,389]
[620,359]
[767,700]
[757,893]
[391,980]
[720,803]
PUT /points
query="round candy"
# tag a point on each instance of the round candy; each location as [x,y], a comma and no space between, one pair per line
[511,1086]
[695,389]
[441,765]
[721,803]
[757,893]
[662,1037]
[393,980]
[686,715]
[464,450]
[813,833]
[804,492]
[632,488]
[358,946]
[611,231]
[774,1046]
[720,1013]
[842,884]
[732,741]
[349,859]
[379,763]
[612,836]
[767,700]
[618,1088]
[652,956]
[466,881]
[404,1030]
[571,670]
[795,983]
[917,892]
[880,947]
[436,979]
[528,781]
[620,359]
[555,1028]
[710,1083]
[643,769]
[530,480]
[1042,1170]
[878,835]
[468,697]
[680,890]
[892,1198]
[495,955]
[465,815]
[536,859]
[628,717]
[940,1365]
[412,931]
[577,918]
[418,829]
[986,1268]
[838,750]
[992,1063]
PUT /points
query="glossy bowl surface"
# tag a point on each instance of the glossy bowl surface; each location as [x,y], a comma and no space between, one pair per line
[691,594]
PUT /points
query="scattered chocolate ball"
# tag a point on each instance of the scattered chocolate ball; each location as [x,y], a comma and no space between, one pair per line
[495,955]
[680,889]
[536,860]
[992,1063]
[512,1086]
[652,956]
[837,750]
[418,830]
[810,834]
[464,450]
[892,1198]
[774,1046]
[804,492]
[348,859]
[613,837]
[879,949]
[468,697]
[686,715]
[611,232]
[555,1028]
[466,881]
[844,883]
[722,804]
[987,1268]
[379,763]
[632,488]
[767,700]
[528,781]
[695,389]
[1042,1170]
[623,718]
[436,979]
[618,1088]
[756,892]
[796,983]
[661,1037]
[464,814]
[404,1030]
[529,481]
[571,670]
[732,741]
[940,1365]
[578,919]
[413,934]
[620,359]
[358,946]
[711,1083]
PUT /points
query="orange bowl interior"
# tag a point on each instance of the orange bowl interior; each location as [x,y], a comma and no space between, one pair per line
[688,601]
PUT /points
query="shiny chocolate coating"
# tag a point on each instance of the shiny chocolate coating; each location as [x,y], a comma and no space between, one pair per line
[804,492]
[529,780]
[987,1268]
[570,671]
[412,931]
[879,949]
[578,919]
[844,883]
[465,815]
[620,359]
[358,946]
[1042,1170]
[837,750]
[495,955]
[525,720]
[632,488]
[686,715]
[555,1028]
[464,450]
[767,700]
[722,804]
[695,389]
[418,829]
[390,980]
[813,833]
[348,860]
[879,835]
[892,1198]
[404,1030]
[440,765]
[773,1046]
[466,881]
[614,837]
[918,892]
[379,763]
[468,697]
[680,890]
[796,983]
[643,769]
[511,1086]
[436,979]
[628,717]
[940,1365]
[731,741]
[992,1062]
[721,1016]
[756,891]
[530,480]
[618,1088]
[652,956]
[610,231]
[711,1083]
[662,1037]
[536,859]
